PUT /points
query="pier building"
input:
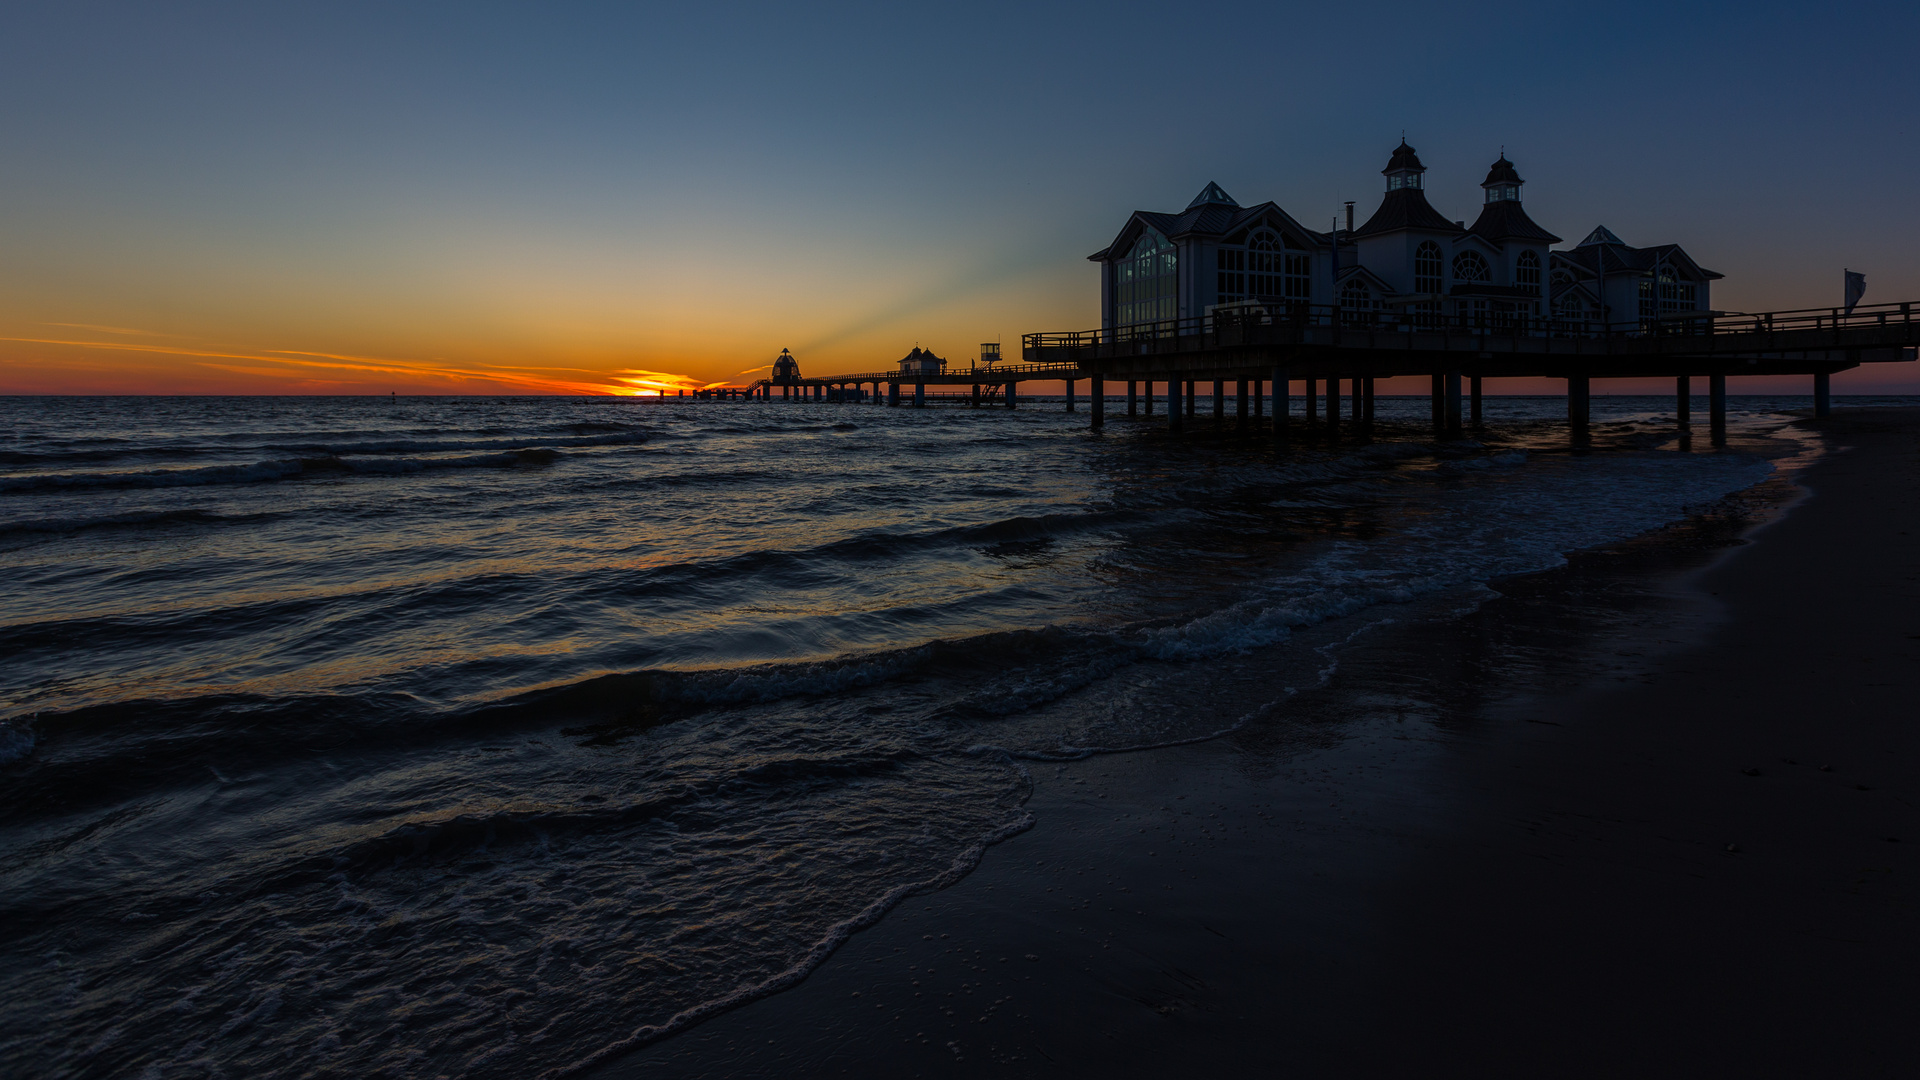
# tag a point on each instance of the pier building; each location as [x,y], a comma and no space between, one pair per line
[1254,302]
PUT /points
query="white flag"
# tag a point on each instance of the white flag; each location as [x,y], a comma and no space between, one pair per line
[1856,288]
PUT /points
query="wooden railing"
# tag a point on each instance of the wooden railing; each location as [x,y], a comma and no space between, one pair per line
[1245,326]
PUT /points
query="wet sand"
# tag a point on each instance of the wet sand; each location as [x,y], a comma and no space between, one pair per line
[1655,814]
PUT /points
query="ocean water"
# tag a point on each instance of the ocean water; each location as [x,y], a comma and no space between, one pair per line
[487,737]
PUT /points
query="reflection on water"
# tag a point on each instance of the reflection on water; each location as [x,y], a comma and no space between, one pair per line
[474,736]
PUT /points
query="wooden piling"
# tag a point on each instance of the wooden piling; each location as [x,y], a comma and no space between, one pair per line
[1822,394]
[1097,403]
[1473,398]
[1453,403]
[1175,418]
[1717,408]
[1282,403]
[1578,408]
[1240,404]
[1311,389]
[1683,401]
[1131,400]
[1069,395]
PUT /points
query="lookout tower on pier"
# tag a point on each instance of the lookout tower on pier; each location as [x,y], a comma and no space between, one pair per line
[786,369]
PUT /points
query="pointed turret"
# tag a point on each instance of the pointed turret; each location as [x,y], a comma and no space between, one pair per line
[1405,206]
[1502,219]
[1502,183]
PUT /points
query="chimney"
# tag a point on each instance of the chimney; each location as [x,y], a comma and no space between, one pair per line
[1349,216]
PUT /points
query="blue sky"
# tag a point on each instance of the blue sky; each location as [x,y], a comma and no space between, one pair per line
[586,189]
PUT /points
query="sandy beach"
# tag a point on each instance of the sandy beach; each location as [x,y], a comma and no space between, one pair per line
[1653,814]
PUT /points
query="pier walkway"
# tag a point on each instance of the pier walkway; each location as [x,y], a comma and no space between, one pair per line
[1264,349]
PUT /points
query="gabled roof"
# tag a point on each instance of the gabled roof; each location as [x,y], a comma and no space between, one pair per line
[1380,286]
[1612,256]
[1405,208]
[1505,220]
[1206,219]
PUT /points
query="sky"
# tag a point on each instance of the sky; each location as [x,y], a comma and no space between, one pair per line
[610,198]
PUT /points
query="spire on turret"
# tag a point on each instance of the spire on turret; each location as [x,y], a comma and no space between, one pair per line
[1502,219]
[1502,183]
[1403,168]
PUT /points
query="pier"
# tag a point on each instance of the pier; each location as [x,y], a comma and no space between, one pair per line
[1244,366]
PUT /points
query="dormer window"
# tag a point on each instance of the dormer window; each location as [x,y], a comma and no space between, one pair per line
[1403,180]
[1503,193]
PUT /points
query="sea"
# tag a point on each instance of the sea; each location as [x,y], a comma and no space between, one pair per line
[490,737]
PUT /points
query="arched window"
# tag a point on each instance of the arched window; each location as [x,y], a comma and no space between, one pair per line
[1572,307]
[1676,294]
[1561,277]
[1427,269]
[1146,282]
[1264,251]
[1356,301]
[1470,266]
[1526,272]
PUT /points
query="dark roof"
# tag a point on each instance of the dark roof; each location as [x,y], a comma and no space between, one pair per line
[1501,173]
[1601,235]
[1213,193]
[1614,257]
[1210,219]
[1405,208]
[1403,158]
[1505,220]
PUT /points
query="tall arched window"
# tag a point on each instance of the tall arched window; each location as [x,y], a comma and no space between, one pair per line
[1356,301]
[1263,264]
[1526,272]
[1470,266]
[1146,282]
[1676,294]
[1427,269]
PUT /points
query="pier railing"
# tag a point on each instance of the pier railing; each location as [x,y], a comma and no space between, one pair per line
[1281,323]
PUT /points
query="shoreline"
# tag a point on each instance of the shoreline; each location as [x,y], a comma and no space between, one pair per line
[1441,882]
